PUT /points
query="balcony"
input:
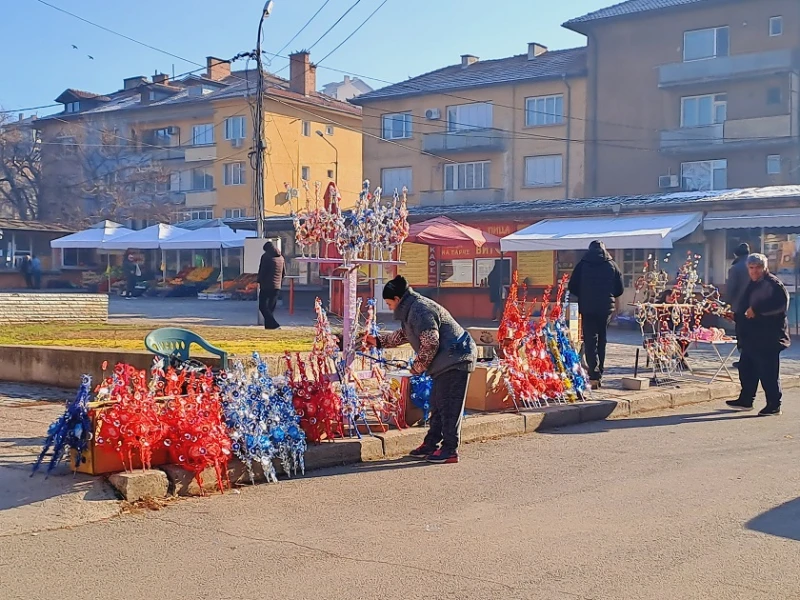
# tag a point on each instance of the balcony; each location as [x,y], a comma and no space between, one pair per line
[201,153]
[459,197]
[723,68]
[201,198]
[477,140]
[737,133]
[167,153]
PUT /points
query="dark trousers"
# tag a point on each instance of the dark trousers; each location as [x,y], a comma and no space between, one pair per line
[36,276]
[130,286]
[595,329]
[764,367]
[267,303]
[448,395]
[29,281]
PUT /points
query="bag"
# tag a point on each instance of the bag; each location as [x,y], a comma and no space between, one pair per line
[138,270]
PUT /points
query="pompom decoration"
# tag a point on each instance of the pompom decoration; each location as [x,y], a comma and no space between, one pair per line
[71,431]
[421,386]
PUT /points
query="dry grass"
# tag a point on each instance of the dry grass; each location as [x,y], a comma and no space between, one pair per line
[235,340]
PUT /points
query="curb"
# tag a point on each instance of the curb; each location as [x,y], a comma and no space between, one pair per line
[173,480]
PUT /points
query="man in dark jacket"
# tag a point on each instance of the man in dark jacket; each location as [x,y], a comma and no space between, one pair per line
[445,351]
[270,279]
[764,334]
[597,282]
[129,273]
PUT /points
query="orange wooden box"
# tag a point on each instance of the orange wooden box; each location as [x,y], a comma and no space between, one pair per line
[487,391]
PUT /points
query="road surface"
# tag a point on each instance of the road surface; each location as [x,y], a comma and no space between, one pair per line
[698,503]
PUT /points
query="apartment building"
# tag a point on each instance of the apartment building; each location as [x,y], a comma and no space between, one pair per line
[692,95]
[481,132]
[182,148]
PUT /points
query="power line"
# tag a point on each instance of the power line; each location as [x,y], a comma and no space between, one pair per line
[344,41]
[303,28]
[339,20]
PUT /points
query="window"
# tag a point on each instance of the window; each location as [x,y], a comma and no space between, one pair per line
[774,95]
[72,107]
[397,126]
[774,164]
[202,179]
[469,116]
[201,213]
[305,173]
[203,135]
[396,179]
[234,128]
[543,171]
[330,173]
[329,130]
[162,137]
[234,173]
[704,175]
[234,213]
[706,43]
[544,110]
[307,128]
[697,111]
[77,257]
[775,26]
[467,176]
[633,262]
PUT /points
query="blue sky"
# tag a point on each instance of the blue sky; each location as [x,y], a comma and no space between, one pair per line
[404,38]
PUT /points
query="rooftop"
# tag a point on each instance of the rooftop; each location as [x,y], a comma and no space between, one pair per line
[644,203]
[624,9]
[20,225]
[552,64]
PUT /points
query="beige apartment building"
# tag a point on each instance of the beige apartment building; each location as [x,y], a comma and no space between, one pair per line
[481,132]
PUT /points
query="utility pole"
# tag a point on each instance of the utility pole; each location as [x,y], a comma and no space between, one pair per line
[259,124]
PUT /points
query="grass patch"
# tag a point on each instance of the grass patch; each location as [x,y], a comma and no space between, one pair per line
[240,341]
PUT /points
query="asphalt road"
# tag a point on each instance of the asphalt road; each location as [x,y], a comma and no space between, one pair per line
[698,503]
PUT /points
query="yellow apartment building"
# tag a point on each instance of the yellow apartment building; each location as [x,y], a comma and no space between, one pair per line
[181,149]
[482,132]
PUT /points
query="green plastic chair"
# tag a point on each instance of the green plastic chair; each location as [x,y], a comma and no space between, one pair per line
[172,341]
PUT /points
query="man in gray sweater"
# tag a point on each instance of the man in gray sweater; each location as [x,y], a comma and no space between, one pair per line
[448,354]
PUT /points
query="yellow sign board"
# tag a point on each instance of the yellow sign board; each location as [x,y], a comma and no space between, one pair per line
[416,268]
[537,267]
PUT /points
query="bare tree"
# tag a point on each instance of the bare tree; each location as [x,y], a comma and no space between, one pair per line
[20,168]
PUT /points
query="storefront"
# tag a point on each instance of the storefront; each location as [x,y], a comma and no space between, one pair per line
[20,239]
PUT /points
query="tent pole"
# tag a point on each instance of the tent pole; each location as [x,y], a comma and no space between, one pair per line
[108,271]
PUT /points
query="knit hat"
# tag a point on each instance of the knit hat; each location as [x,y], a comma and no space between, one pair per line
[395,288]
[742,250]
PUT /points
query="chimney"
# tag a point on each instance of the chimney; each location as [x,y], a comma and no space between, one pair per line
[131,83]
[468,59]
[302,74]
[217,69]
[161,78]
[535,49]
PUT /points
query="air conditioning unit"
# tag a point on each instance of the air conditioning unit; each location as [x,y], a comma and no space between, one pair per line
[173,130]
[237,143]
[433,114]
[666,182]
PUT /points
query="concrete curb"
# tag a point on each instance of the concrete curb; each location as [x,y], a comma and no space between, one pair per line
[392,444]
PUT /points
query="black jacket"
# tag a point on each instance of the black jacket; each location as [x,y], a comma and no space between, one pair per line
[596,281]
[271,271]
[738,279]
[768,331]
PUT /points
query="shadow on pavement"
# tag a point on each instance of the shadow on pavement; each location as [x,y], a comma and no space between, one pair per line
[781,521]
[664,421]
[369,467]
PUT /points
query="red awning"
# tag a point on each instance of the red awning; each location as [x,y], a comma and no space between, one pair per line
[442,231]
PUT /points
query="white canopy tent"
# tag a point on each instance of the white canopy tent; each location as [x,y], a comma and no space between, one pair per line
[92,238]
[618,233]
[745,219]
[149,238]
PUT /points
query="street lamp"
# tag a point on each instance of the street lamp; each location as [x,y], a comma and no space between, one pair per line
[336,160]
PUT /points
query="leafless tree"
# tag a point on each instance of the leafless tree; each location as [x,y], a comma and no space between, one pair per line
[20,168]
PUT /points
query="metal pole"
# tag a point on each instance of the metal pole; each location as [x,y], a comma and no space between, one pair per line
[259,125]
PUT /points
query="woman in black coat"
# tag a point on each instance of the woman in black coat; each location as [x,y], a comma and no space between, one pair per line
[270,279]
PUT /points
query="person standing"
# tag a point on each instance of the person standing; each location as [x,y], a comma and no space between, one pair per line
[25,269]
[764,333]
[597,282]
[129,269]
[497,283]
[36,272]
[270,280]
[445,351]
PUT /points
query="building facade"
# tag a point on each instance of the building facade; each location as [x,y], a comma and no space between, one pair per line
[181,149]
[481,132]
[347,88]
[692,95]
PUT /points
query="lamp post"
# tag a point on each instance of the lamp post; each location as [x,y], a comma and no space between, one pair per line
[258,129]
[336,159]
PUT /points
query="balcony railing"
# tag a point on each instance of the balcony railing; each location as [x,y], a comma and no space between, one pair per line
[738,133]
[459,197]
[487,140]
[167,153]
[200,153]
[726,67]
[201,198]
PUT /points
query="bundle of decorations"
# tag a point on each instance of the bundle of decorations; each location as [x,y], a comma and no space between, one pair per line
[194,431]
[421,386]
[370,231]
[315,402]
[262,421]
[578,379]
[653,280]
[71,431]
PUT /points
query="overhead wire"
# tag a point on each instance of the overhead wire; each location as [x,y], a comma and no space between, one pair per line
[355,31]
[303,28]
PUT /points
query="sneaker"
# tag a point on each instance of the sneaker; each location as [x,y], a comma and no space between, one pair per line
[741,404]
[422,452]
[770,411]
[443,457]
[595,384]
